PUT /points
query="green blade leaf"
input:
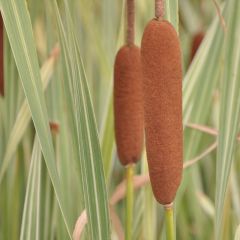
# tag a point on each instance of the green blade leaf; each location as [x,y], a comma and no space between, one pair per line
[229,110]
[237,234]
[200,82]
[24,117]
[107,140]
[19,30]
[89,154]
[31,216]
[171,9]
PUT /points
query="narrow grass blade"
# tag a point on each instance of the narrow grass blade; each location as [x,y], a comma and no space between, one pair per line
[171,10]
[31,216]
[89,153]
[107,128]
[19,30]
[2,137]
[200,82]
[107,141]
[229,110]
[237,235]
[24,117]
[12,87]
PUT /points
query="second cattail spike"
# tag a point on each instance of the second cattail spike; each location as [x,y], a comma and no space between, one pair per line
[162,87]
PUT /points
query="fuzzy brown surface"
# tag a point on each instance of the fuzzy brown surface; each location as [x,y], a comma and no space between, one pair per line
[162,88]
[196,42]
[128,104]
[1,57]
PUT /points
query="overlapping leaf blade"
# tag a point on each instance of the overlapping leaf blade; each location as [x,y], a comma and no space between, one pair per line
[31,217]
[237,234]
[86,137]
[23,118]
[19,30]
[230,109]
[171,9]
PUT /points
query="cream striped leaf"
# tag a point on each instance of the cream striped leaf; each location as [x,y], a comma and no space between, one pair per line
[19,30]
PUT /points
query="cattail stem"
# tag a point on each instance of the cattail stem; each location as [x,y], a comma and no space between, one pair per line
[129,201]
[170,232]
[159,9]
[130,22]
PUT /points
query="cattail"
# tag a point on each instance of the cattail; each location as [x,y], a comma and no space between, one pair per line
[128,106]
[128,103]
[1,58]
[162,88]
[128,110]
[196,42]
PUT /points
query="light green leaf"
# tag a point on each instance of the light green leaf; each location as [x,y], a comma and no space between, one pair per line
[237,235]
[89,153]
[24,117]
[31,212]
[107,141]
[199,84]
[19,30]
[171,10]
[12,87]
[229,110]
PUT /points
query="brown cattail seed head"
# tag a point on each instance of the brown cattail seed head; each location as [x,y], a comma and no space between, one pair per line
[1,57]
[128,106]
[162,88]
[196,42]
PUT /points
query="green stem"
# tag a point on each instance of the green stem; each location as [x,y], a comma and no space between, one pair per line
[129,202]
[170,232]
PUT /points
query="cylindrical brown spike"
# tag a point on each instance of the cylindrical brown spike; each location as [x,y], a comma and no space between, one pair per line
[1,58]
[128,106]
[162,89]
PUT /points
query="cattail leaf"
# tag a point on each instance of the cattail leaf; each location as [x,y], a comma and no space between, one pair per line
[197,103]
[237,234]
[171,10]
[12,86]
[2,137]
[199,86]
[31,211]
[150,217]
[206,204]
[229,109]
[107,140]
[107,129]
[23,118]
[200,83]
[196,73]
[189,12]
[19,30]
[86,137]
[235,193]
